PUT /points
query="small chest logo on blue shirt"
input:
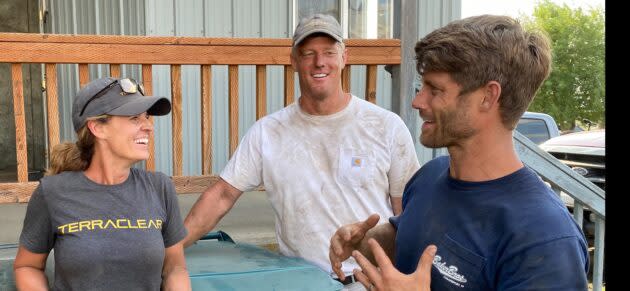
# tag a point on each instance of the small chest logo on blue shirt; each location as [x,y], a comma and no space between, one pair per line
[449,272]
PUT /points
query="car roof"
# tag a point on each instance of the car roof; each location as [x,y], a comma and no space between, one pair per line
[592,138]
[584,143]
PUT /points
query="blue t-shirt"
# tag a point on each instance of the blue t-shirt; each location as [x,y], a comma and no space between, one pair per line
[512,233]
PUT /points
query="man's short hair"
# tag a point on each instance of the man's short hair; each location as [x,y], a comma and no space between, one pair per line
[480,49]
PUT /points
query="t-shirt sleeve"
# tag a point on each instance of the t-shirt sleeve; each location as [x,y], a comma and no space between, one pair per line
[394,221]
[560,264]
[244,170]
[37,234]
[404,161]
[173,229]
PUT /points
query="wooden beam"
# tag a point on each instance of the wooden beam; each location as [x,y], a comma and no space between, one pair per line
[289,88]
[147,82]
[206,119]
[52,107]
[70,53]
[84,75]
[176,115]
[345,79]
[114,70]
[16,192]
[370,85]
[21,192]
[20,123]
[10,37]
[233,107]
[261,91]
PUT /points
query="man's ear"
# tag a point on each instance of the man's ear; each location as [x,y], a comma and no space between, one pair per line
[492,93]
[293,60]
[344,57]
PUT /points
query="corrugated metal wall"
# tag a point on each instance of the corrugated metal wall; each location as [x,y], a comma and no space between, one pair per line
[209,18]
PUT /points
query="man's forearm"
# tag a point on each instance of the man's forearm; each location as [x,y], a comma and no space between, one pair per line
[211,206]
[203,217]
[385,235]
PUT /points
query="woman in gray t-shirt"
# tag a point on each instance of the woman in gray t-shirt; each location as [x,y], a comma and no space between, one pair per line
[112,227]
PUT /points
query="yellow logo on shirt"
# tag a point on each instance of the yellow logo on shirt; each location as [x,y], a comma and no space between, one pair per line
[121,223]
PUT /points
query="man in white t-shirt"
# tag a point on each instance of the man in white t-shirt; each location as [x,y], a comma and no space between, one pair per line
[326,160]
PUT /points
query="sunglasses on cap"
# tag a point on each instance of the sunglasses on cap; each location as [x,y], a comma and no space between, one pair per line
[128,86]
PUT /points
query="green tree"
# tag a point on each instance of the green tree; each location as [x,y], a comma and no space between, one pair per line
[576,88]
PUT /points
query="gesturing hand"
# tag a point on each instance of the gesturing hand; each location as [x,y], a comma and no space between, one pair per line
[346,239]
[387,277]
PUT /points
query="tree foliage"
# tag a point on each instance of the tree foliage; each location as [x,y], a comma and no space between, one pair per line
[576,87]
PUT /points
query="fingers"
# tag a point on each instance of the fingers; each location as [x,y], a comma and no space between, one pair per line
[425,263]
[363,279]
[339,240]
[342,242]
[335,263]
[381,258]
[335,253]
[370,222]
[372,273]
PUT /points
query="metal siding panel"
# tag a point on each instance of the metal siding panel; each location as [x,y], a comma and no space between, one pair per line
[159,18]
[246,98]
[246,18]
[189,18]
[191,125]
[163,126]
[220,120]
[218,23]
[357,80]
[67,85]
[275,23]
[218,18]
[275,88]
[189,22]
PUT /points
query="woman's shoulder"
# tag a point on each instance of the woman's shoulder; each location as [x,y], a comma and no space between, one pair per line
[157,178]
[62,178]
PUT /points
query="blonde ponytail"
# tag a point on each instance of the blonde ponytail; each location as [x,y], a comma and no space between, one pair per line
[76,156]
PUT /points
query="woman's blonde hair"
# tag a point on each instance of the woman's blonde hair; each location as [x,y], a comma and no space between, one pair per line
[76,156]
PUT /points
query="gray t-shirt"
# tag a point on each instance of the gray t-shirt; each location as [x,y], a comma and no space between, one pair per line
[105,237]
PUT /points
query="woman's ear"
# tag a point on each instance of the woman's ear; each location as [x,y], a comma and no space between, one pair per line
[96,128]
[492,93]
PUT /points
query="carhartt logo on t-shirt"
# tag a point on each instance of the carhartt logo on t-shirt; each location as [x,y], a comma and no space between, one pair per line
[121,223]
[449,272]
[357,162]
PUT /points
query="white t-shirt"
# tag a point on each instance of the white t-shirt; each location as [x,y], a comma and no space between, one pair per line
[322,172]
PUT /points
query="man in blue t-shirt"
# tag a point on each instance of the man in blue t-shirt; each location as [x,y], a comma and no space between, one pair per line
[483,219]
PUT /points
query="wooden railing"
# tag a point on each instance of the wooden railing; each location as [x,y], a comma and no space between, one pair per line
[21,48]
